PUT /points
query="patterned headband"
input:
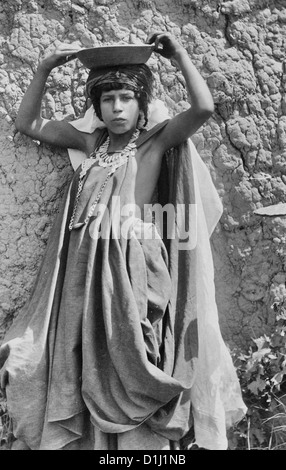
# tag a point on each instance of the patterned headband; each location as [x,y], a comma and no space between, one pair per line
[137,77]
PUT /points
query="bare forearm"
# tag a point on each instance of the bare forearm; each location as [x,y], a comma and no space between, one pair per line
[29,113]
[200,96]
[186,123]
[29,120]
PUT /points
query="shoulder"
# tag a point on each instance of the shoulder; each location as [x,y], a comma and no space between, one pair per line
[95,139]
[151,134]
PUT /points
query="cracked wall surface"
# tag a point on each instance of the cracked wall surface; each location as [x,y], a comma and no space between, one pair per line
[239,47]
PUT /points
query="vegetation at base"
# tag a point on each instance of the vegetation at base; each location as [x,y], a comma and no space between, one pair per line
[262,375]
[6,435]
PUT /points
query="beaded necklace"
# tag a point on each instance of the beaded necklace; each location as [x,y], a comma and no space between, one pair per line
[118,158]
[101,157]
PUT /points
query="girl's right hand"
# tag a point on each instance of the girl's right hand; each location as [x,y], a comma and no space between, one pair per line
[61,55]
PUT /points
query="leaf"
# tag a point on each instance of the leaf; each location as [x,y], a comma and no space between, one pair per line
[258,434]
[272,357]
[243,357]
[259,342]
[277,378]
[261,353]
[257,385]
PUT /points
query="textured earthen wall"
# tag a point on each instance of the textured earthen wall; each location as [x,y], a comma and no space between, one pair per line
[239,47]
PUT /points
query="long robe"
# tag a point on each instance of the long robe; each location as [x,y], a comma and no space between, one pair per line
[122,332]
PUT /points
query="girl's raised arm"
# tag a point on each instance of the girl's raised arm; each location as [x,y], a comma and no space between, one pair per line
[29,120]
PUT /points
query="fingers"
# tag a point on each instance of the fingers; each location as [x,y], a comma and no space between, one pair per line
[160,39]
[66,55]
[155,38]
[68,47]
[67,51]
[159,36]
[152,38]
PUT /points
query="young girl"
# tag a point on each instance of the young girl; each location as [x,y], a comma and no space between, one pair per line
[119,346]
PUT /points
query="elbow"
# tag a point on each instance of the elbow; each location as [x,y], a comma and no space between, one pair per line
[207,111]
[209,107]
[20,125]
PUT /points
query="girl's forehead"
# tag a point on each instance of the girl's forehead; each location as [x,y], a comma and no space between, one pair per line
[119,92]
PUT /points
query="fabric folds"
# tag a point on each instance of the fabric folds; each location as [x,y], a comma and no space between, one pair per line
[121,331]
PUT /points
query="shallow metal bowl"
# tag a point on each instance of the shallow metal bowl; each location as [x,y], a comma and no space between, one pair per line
[108,56]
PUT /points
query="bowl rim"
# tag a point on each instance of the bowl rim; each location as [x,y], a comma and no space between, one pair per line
[108,55]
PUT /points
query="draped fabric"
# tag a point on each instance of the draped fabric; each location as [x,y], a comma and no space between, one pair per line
[121,331]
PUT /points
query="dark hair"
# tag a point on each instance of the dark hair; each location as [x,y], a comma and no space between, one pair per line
[137,78]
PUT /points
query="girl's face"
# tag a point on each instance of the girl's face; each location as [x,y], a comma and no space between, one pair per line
[120,110]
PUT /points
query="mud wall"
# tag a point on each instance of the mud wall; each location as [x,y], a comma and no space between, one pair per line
[239,47]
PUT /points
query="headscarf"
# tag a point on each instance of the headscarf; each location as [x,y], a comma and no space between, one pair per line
[137,77]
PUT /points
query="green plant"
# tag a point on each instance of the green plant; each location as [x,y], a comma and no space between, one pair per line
[262,375]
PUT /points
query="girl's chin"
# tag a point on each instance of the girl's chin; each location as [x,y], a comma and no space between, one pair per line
[120,129]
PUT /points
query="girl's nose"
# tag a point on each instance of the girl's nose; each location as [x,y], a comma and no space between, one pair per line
[117,105]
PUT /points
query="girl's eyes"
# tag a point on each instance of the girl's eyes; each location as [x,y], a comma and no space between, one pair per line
[107,99]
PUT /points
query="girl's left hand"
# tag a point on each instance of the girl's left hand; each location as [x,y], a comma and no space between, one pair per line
[165,44]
